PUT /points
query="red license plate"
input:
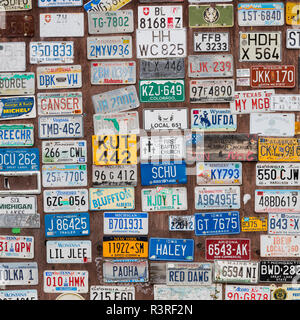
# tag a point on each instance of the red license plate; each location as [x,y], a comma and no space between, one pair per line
[16,26]
[273,76]
[227,249]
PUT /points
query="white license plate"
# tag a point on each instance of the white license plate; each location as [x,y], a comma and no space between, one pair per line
[170,43]
[247,292]
[19,274]
[112,293]
[164,199]
[293,39]
[57,25]
[260,46]
[211,41]
[18,205]
[217,198]
[16,247]
[18,295]
[12,5]
[112,47]
[181,223]
[283,223]
[55,127]
[12,84]
[123,175]
[74,151]
[65,200]
[12,56]
[64,175]
[279,246]
[285,102]
[162,147]
[278,174]
[59,3]
[66,281]
[64,77]
[160,17]
[16,135]
[69,251]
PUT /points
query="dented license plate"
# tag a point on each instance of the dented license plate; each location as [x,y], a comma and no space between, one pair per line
[181,223]
[16,26]
[12,58]
[123,175]
[16,247]
[227,249]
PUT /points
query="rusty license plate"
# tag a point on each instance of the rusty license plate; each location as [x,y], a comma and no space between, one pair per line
[16,26]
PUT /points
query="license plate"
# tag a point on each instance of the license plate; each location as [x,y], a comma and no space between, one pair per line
[12,84]
[11,5]
[19,205]
[207,16]
[19,159]
[292,39]
[162,147]
[292,14]
[278,149]
[279,246]
[218,173]
[171,43]
[158,272]
[20,220]
[113,47]
[59,3]
[211,91]
[268,200]
[123,175]
[114,149]
[57,25]
[172,68]
[12,58]
[12,108]
[181,223]
[112,293]
[51,52]
[17,26]
[57,127]
[210,66]
[106,73]
[164,199]
[67,225]
[282,76]
[74,151]
[217,223]
[101,22]
[116,123]
[116,100]
[285,102]
[261,14]
[210,120]
[125,247]
[260,46]
[130,270]
[285,292]
[162,90]
[70,251]
[164,249]
[272,124]
[252,101]
[163,173]
[254,224]
[117,198]
[278,271]
[125,223]
[283,223]
[16,135]
[72,200]
[236,271]
[64,175]
[64,77]
[277,174]
[65,281]
[160,17]
[247,293]
[165,119]
[188,274]
[105,5]
[211,41]
[19,274]
[227,249]
[217,197]
[16,247]
[18,295]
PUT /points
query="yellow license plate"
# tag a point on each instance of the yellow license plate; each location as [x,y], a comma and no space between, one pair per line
[292,13]
[125,247]
[114,149]
[278,149]
[254,224]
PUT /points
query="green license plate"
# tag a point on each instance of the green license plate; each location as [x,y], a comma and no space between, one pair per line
[206,16]
[162,90]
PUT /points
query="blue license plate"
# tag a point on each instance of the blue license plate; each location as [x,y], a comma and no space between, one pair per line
[17,107]
[166,249]
[163,173]
[19,159]
[67,225]
[217,223]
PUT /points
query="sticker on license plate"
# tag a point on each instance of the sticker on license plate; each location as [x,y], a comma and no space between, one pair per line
[18,205]
[112,293]
[16,25]
[181,223]
[11,5]
[16,135]
[211,41]
[19,159]
[58,127]
[16,247]
[72,200]
[123,175]
[20,220]
[13,84]
[105,5]
[164,199]
[227,249]
[59,3]
[278,271]
[279,246]
[12,108]
[12,56]
[247,292]
[19,295]
[19,274]
[283,223]
[254,224]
